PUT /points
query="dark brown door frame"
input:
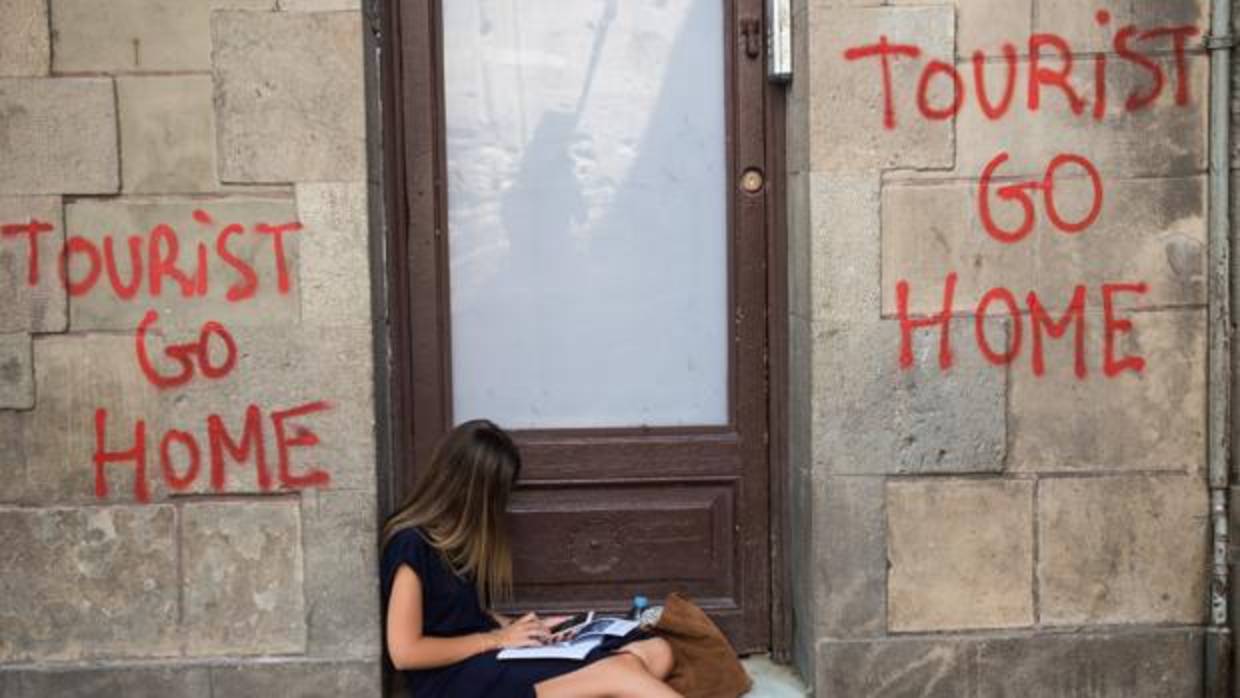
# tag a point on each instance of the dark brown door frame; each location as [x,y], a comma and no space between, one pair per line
[413,366]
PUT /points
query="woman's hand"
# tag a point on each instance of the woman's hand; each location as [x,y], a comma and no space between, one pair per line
[527,631]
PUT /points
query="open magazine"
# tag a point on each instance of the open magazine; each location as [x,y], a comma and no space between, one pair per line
[581,640]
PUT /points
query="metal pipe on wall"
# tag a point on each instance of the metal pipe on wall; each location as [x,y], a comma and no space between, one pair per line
[1218,652]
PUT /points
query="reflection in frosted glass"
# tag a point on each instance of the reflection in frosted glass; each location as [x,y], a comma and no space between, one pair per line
[586,211]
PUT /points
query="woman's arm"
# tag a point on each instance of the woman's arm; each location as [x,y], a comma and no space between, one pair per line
[410,649]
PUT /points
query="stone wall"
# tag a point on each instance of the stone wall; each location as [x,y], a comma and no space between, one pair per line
[187,478]
[1000,301]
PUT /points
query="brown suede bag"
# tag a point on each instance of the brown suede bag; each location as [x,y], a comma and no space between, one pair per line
[706,664]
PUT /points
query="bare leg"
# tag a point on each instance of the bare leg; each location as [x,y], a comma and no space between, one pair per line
[625,675]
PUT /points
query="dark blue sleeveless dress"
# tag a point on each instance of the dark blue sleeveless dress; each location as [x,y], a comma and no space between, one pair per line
[450,607]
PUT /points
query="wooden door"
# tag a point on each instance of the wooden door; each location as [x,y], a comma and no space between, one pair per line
[612,502]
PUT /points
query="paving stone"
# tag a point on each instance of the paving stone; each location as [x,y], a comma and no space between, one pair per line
[130,36]
[25,50]
[16,372]
[87,583]
[243,578]
[58,136]
[101,307]
[41,307]
[304,680]
[1140,664]
[167,134]
[960,554]
[848,132]
[930,420]
[335,254]
[154,682]
[1118,145]
[1154,420]
[289,96]
[932,229]
[342,610]
[896,668]
[1122,550]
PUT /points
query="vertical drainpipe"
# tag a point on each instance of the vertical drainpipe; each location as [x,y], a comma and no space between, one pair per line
[1218,652]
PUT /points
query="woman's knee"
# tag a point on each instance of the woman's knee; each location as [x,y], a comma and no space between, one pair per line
[655,655]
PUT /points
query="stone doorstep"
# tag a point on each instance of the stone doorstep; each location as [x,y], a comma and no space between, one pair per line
[771,680]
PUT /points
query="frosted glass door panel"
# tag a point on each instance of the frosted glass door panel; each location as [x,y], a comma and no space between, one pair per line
[587,211]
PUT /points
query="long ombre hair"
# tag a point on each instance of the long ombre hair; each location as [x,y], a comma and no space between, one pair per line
[459,502]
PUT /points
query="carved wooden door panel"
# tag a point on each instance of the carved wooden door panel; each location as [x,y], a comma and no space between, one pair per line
[582,214]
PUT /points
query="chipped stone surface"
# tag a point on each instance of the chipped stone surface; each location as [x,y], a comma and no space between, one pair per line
[301,679]
[846,111]
[87,583]
[243,577]
[41,307]
[877,417]
[933,229]
[167,134]
[985,25]
[25,50]
[289,97]
[1140,664]
[1154,420]
[960,554]
[102,308]
[1122,550]
[58,136]
[896,668]
[1076,21]
[16,372]
[335,254]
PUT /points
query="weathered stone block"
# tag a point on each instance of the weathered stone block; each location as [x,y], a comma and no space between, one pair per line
[302,679]
[154,682]
[24,47]
[242,565]
[289,98]
[335,254]
[321,382]
[87,583]
[58,136]
[1153,420]
[13,455]
[1144,664]
[934,229]
[41,306]
[130,36]
[961,554]
[927,421]
[1119,144]
[1122,550]
[850,560]
[167,134]
[267,302]
[1076,22]
[16,372]
[342,608]
[985,25]
[74,377]
[844,249]
[896,668]
[319,5]
[849,131]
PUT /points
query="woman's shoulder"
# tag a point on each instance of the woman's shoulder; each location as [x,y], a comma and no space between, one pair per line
[409,545]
